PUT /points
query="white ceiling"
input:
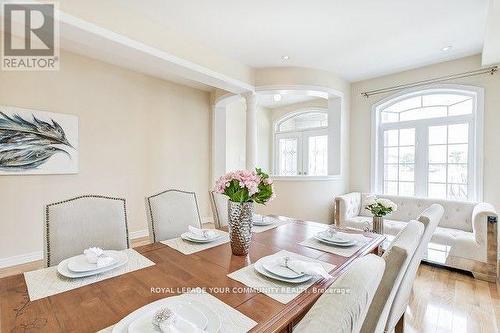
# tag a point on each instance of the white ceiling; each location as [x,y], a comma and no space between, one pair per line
[356,39]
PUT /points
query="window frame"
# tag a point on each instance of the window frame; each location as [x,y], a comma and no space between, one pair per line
[301,146]
[475,141]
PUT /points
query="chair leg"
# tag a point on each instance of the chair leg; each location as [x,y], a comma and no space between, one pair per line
[400,326]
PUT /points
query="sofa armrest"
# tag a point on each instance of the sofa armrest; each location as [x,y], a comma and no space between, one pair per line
[480,221]
[347,206]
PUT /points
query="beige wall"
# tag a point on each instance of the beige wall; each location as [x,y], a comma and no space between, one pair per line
[138,135]
[309,199]
[361,120]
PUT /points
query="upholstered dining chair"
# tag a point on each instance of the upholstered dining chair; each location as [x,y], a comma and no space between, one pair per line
[343,307]
[75,224]
[397,259]
[219,209]
[171,212]
[430,219]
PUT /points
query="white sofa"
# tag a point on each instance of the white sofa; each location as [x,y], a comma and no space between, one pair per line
[464,237]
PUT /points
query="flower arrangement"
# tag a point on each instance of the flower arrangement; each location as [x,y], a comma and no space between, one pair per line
[380,207]
[246,186]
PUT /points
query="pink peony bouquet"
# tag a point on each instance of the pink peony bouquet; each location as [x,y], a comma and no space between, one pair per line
[246,186]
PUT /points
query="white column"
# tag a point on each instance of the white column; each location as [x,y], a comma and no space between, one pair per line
[251,130]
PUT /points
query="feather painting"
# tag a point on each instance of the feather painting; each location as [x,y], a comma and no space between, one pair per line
[35,142]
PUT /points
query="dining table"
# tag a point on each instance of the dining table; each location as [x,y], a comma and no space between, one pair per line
[99,305]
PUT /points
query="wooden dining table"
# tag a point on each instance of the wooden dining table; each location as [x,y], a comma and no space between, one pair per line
[102,304]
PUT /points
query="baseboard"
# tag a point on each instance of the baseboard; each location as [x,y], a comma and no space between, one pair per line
[138,234]
[21,259]
[207,219]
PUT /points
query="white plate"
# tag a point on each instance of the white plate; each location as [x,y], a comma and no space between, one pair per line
[186,236]
[80,263]
[120,256]
[262,221]
[342,244]
[201,238]
[214,320]
[272,265]
[259,268]
[144,323]
[333,237]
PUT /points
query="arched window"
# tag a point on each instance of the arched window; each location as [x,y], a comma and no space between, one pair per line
[429,144]
[301,144]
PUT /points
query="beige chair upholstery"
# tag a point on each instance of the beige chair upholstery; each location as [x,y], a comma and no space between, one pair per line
[76,224]
[345,312]
[219,209]
[171,212]
[397,259]
[430,219]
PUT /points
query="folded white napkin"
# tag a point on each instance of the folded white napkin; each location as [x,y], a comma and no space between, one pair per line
[96,255]
[305,267]
[205,233]
[170,322]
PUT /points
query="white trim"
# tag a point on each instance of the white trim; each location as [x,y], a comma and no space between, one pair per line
[138,234]
[476,120]
[207,219]
[289,115]
[307,178]
[21,259]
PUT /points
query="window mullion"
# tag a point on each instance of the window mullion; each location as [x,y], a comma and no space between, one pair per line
[421,160]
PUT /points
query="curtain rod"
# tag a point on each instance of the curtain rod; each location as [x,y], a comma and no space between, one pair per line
[489,70]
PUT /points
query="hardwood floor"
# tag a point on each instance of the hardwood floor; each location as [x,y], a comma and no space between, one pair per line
[449,301]
[442,300]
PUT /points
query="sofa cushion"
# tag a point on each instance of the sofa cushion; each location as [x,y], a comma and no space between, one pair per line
[447,236]
[457,214]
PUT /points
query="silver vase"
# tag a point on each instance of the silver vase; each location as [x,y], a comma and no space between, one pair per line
[378,225]
[240,226]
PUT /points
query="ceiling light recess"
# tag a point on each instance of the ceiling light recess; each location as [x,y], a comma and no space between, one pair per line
[277,97]
[285,57]
[446,48]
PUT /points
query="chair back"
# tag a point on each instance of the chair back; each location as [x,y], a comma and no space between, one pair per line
[343,307]
[219,209]
[430,219]
[171,212]
[76,224]
[397,258]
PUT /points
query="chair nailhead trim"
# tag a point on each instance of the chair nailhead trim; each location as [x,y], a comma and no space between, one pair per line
[77,198]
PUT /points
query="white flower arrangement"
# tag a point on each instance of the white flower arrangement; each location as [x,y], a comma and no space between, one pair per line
[380,207]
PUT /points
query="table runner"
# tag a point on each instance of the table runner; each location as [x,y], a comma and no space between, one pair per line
[47,281]
[186,247]
[341,251]
[262,228]
[282,292]
[232,319]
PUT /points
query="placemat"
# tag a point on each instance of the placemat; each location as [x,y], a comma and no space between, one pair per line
[186,247]
[262,228]
[341,251]
[232,319]
[47,281]
[282,292]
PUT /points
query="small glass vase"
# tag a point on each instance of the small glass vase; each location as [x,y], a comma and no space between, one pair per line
[240,226]
[378,225]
